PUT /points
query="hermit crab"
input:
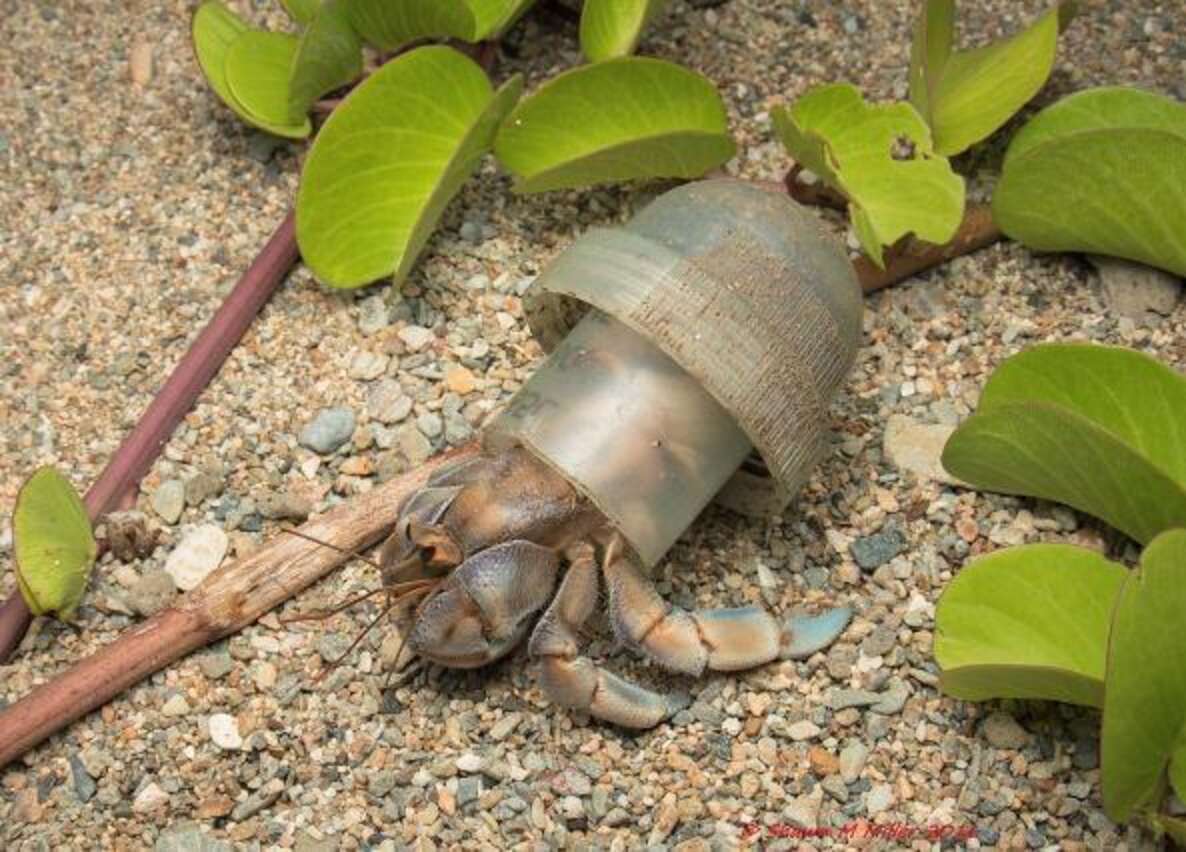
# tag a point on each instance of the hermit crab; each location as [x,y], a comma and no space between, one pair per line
[694,353]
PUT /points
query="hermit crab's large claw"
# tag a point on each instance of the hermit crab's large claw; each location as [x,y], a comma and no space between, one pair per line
[484,608]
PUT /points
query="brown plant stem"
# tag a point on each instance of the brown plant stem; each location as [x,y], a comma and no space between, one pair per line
[229,599]
[911,256]
[189,378]
[817,194]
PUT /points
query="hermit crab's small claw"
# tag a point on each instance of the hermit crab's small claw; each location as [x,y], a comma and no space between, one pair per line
[803,635]
[484,608]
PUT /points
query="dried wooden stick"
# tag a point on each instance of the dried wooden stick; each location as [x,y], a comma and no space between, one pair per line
[229,599]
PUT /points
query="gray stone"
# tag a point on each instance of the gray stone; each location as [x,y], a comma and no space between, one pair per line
[1141,293]
[201,487]
[388,403]
[415,447]
[84,785]
[373,315]
[505,726]
[216,663]
[285,505]
[469,788]
[880,642]
[892,700]
[839,699]
[803,811]
[416,337]
[852,761]
[1002,731]
[188,837]
[328,430]
[873,551]
[367,366]
[153,592]
[430,424]
[916,448]
[168,500]
[879,799]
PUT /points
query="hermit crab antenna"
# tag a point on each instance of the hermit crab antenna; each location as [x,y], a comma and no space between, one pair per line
[344,550]
[363,633]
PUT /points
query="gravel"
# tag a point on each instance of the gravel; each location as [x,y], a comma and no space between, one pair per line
[129,210]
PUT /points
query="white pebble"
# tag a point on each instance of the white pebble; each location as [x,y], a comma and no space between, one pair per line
[199,553]
[224,732]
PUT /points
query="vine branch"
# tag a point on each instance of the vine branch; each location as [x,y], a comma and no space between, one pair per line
[189,378]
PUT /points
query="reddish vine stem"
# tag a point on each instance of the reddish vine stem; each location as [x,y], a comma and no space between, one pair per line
[908,256]
[228,600]
[189,378]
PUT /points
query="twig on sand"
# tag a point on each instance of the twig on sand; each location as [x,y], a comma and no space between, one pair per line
[189,378]
[229,599]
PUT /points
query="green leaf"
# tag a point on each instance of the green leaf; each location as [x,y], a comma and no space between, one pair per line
[1028,622]
[301,11]
[257,68]
[1100,428]
[390,24]
[1102,171]
[1144,732]
[214,28]
[1175,827]
[328,55]
[611,28]
[623,119]
[492,17]
[389,159]
[1103,108]
[854,147]
[965,95]
[53,544]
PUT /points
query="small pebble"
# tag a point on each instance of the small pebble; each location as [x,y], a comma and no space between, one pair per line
[168,501]
[224,732]
[151,798]
[199,553]
[152,592]
[328,430]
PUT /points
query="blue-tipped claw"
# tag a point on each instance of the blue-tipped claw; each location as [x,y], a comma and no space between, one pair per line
[804,635]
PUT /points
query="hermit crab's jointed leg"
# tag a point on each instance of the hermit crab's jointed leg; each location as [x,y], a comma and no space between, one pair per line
[636,421]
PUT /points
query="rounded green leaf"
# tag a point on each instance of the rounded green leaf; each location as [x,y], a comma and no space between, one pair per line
[214,28]
[301,11]
[1144,732]
[611,28]
[390,24]
[856,148]
[1028,622]
[389,159]
[1103,108]
[966,95]
[1103,171]
[492,17]
[1100,428]
[619,120]
[258,65]
[53,544]
[328,55]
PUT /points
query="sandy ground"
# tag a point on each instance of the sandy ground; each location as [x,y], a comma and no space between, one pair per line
[127,211]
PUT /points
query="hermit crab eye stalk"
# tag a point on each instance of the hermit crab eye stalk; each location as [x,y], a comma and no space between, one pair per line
[712,329]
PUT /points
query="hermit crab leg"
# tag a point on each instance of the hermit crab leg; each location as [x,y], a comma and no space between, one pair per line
[719,639]
[572,680]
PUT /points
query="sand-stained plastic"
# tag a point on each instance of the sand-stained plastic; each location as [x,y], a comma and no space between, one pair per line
[694,353]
